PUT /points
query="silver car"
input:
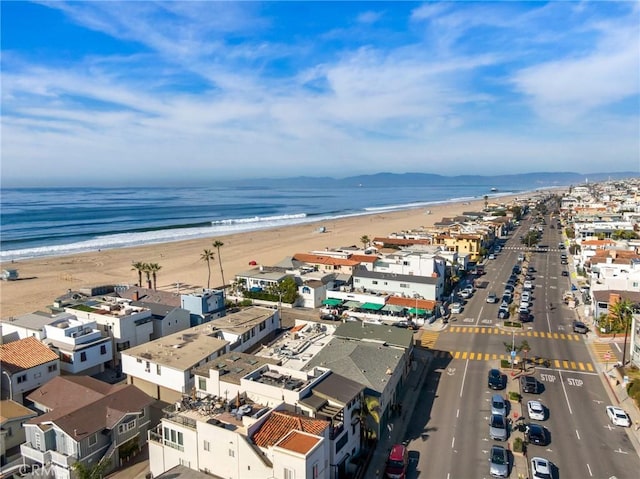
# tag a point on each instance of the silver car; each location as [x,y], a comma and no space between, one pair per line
[498,405]
[498,462]
[498,427]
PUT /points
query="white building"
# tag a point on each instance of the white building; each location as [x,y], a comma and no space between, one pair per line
[126,324]
[80,345]
[247,327]
[162,368]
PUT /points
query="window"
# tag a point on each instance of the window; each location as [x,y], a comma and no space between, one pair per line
[139,360]
[37,375]
[375,282]
[22,378]
[103,349]
[207,446]
[36,440]
[52,367]
[288,473]
[405,285]
[9,432]
[314,471]
[127,426]
[202,384]
[83,356]
[93,439]
[123,346]
[263,326]
[159,370]
[232,453]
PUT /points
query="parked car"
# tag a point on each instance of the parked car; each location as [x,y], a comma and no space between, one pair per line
[397,462]
[464,294]
[527,284]
[492,298]
[498,405]
[525,317]
[492,256]
[498,427]
[456,308]
[496,380]
[536,411]
[537,434]
[330,317]
[618,416]
[565,273]
[503,312]
[540,468]
[526,296]
[580,328]
[498,462]
[529,384]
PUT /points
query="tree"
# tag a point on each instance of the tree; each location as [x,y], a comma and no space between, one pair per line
[523,346]
[207,255]
[139,267]
[153,269]
[217,245]
[622,313]
[83,471]
[147,271]
[531,238]
[287,289]
[365,241]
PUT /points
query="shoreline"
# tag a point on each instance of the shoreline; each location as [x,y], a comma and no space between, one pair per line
[43,279]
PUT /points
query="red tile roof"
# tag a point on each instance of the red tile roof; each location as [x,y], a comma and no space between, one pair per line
[25,354]
[322,259]
[281,423]
[298,442]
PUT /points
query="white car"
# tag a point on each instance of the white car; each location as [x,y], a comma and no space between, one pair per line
[456,308]
[492,298]
[526,296]
[492,256]
[464,294]
[540,468]
[536,411]
[527,285]
[618,416]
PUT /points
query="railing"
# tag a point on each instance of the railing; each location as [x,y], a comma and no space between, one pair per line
[62,459]
[30,452]
[109,454]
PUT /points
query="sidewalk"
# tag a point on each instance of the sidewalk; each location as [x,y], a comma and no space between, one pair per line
[410,394]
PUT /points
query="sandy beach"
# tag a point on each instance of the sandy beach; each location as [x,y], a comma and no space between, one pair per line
[44,279]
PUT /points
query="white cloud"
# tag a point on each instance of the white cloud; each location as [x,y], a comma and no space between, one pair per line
[369,17]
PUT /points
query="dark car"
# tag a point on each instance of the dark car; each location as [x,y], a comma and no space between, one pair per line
[503,313]
[579,327]
[495,379]
[537,434]
[525,317]
[529,384]
[329,317]
[565,273]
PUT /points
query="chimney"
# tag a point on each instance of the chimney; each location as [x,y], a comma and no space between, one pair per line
[136,295]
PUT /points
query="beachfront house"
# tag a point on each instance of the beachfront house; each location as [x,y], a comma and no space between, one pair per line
[162,368]
[85,420]
[27,325]
[26,364]
[247,328]
[167,314]
[13,415]
[395,284]
[204,306]
[82,348]
[127,325]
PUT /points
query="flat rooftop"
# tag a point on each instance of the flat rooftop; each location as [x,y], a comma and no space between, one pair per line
[233,366]
[244,320]
[181,350]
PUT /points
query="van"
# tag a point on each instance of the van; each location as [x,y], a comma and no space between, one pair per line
[397,462]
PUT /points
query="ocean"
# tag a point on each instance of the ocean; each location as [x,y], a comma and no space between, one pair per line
[38,222]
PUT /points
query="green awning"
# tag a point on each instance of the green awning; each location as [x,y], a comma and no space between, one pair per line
[372,306]
[420,311]
[394,308]
[332,302]
[352,304]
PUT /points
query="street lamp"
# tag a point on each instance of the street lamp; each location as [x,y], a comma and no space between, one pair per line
[626,333]
[4,371]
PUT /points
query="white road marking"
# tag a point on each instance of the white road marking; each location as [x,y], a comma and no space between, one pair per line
[464,377]
[458,413]
[567,371]
[578,434]
[453,441]
[620,451]
[566,396]
[617,347]
[589,469]
[479,315]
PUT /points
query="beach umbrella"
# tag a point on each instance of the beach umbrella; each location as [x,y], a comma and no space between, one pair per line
[253,263]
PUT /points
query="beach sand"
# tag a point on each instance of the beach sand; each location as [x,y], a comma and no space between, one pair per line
[44,279]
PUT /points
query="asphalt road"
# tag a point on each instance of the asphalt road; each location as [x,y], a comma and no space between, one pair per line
[448,434]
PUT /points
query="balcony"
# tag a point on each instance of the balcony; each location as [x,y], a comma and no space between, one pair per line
[63,460]
[29,452]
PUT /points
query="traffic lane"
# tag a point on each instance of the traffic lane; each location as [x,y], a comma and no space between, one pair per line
[471,440]
[610,450]
[434,424]
[582,443]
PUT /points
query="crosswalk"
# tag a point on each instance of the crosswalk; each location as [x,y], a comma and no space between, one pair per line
[429,338]
[499,331]
[603,353]
[480,356]
[533,249]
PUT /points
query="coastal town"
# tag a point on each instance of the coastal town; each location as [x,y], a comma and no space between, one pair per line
[334,363]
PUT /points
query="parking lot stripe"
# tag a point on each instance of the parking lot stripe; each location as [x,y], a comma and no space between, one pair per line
[589,367]
[573,365]
[582,368]
[456,355]
[464,355]
[535,334]
[562,336]
[565,364]
[472,355]
[556,362]
[555,335]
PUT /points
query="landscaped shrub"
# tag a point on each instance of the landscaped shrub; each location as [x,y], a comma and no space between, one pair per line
[518,445]
[514,396]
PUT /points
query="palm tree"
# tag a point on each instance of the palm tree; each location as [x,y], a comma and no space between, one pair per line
[153,269]
[217,245]
[207,255]
[365,240]
[147,271]
[138,266]
[486,202]
[622,313]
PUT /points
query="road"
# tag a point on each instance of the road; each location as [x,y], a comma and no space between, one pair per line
[449,432]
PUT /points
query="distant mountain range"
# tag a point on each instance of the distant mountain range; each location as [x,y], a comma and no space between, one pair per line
[525,180]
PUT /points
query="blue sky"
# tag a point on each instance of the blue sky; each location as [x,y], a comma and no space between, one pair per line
[99,92]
